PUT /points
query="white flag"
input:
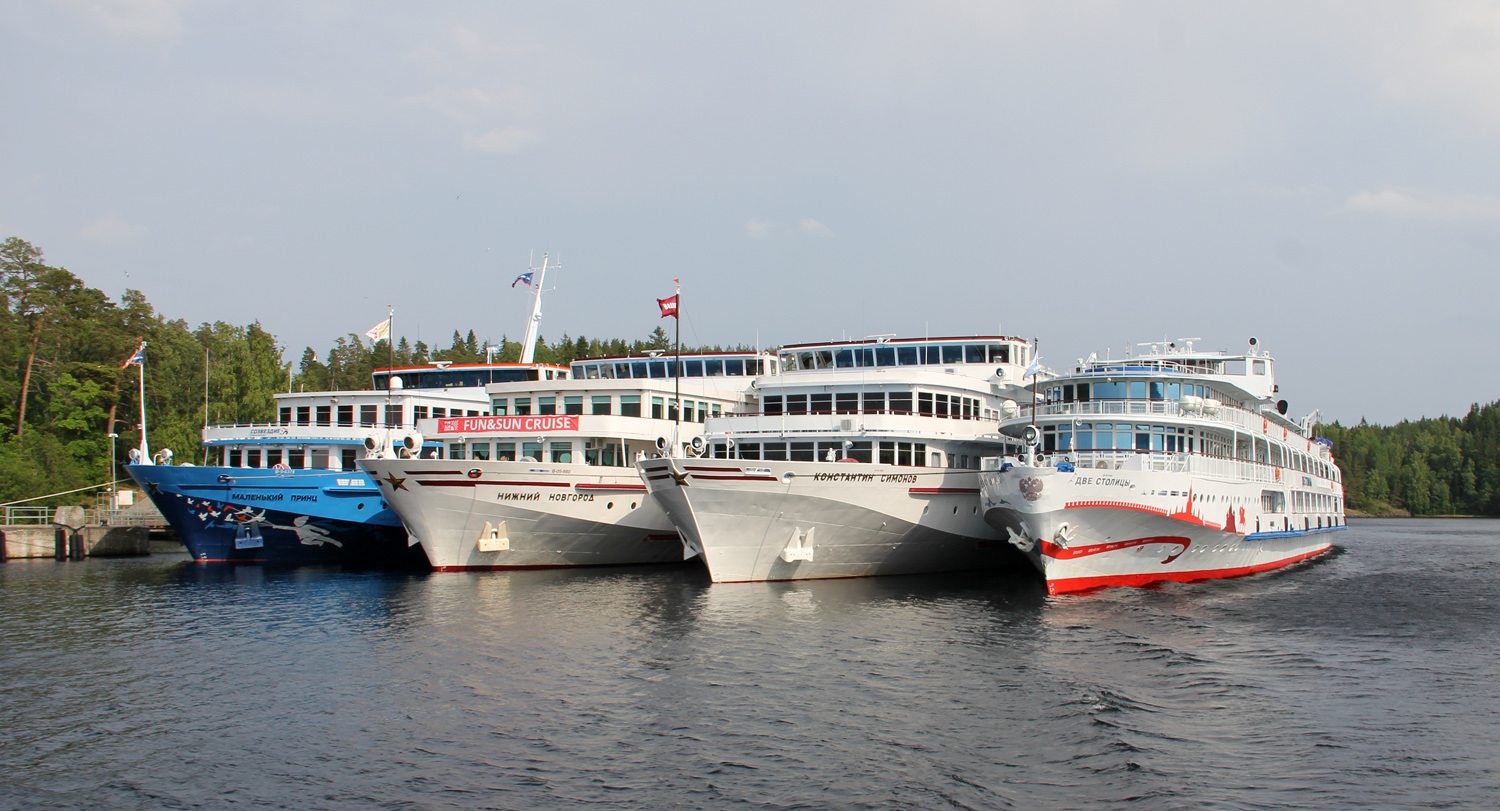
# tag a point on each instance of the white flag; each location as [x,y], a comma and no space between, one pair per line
[1035,367]
[379,332]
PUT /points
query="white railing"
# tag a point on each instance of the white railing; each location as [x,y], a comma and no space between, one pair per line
[42,516]
[1230,414]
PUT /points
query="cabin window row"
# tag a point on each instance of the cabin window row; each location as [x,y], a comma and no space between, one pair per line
[665,369]
[295,458]
[604,405]
[927,404]
[369,416]
[561,452]
[1128,390]
[900,355]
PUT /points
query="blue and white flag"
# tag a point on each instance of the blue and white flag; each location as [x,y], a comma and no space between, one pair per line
[523,278]
[138,359]
[1034,368]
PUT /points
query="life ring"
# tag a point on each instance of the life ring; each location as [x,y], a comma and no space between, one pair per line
[1265,427]
[1278,474]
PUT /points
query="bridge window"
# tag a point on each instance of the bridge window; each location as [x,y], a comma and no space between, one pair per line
[953,354]
[713,368]
[885,356]
[999,353]
[735,366]
[974,353]
[1138,390]
[658,368]
[907,355]
[694,368]
[844,358]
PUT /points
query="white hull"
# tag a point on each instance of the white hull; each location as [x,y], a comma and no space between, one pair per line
[828,519]
[1094,528]
[472,514]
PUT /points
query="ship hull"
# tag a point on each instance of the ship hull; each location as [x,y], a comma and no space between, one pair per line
[1089,529]
[524,515]
[246,515]
[770,520]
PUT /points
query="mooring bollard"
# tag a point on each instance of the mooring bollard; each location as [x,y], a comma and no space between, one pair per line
[68,538]
[75,546]
[59,543]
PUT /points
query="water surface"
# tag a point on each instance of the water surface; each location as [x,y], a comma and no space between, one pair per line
[1366,679]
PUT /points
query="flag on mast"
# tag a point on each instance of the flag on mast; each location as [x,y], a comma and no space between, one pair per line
[379,332]
[524,278]
[668,306]
[138,359]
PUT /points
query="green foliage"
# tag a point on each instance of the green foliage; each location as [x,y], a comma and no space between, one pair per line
[1443,466]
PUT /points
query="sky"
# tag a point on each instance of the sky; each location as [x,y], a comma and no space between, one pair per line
[1322,176]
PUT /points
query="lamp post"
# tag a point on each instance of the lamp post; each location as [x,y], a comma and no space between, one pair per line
[114,495]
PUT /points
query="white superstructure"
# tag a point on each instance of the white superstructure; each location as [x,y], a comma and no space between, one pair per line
[861,458]
[1179,464]
[546,478]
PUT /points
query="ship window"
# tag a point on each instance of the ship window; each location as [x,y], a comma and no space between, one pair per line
[924,403]
[772,405]
[523,406]
[874,402]
[805,361]
[887,453]
[734,367]
[903,454]
[1158,391]
[325,415]
[573,404]
[860,452]
[658,368]
[499,407]
[694,368]
[906,355]
[775,451]
[1103,440]
[1049,440]
[847,403]
[505,451]
[885,356]
[630,405]
[749,450]
[273,458]
[296,459]
[900,402]
[657,408]
[1259,367]
[394,415]
[687,409]
[286,415]
[546,405]
[999,353]
[1109,390]
[437,413]
[844,359]
[320,458]
[822,403]
[1067,394]
[713,368]
[531,451]
[953,354]
[346,415]
[419,412]
[803,452]
[1065,438]
[974,353]
[562,452]
[304,415]
[601,404]
[919,454]
[796,404]
[942,405]
[1138,390]
[479,451]
[252,458]
[718,410]
[1083,392]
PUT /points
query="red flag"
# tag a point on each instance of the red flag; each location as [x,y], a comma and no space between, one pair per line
[668,306]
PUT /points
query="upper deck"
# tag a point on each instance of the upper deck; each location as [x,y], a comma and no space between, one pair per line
[979,356]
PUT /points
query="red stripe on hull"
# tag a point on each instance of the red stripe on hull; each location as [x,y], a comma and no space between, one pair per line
[933,491]
[736,478]
[637,487]
[1086,583]
[477,482]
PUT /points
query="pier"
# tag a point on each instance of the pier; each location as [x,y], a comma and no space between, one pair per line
[77,532]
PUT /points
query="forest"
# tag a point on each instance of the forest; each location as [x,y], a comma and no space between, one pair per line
[64,389]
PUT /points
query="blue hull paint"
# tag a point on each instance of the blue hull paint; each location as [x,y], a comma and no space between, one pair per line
[251,515]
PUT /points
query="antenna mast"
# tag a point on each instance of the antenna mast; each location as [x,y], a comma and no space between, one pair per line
[528,345]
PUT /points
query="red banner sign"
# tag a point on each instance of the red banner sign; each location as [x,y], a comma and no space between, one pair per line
[517,425]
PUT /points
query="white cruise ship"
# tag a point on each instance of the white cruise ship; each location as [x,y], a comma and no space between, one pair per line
[861,458]
[547,477]
[1174,465]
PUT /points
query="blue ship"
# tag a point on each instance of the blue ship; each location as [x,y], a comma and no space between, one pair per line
[291,491]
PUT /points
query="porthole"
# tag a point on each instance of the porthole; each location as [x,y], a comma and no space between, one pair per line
[632,505]
[955,509]
[609,506]
[361,506]
[925,508]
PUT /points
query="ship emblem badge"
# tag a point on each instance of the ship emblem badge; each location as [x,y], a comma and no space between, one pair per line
[475,473]
[1031,488]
